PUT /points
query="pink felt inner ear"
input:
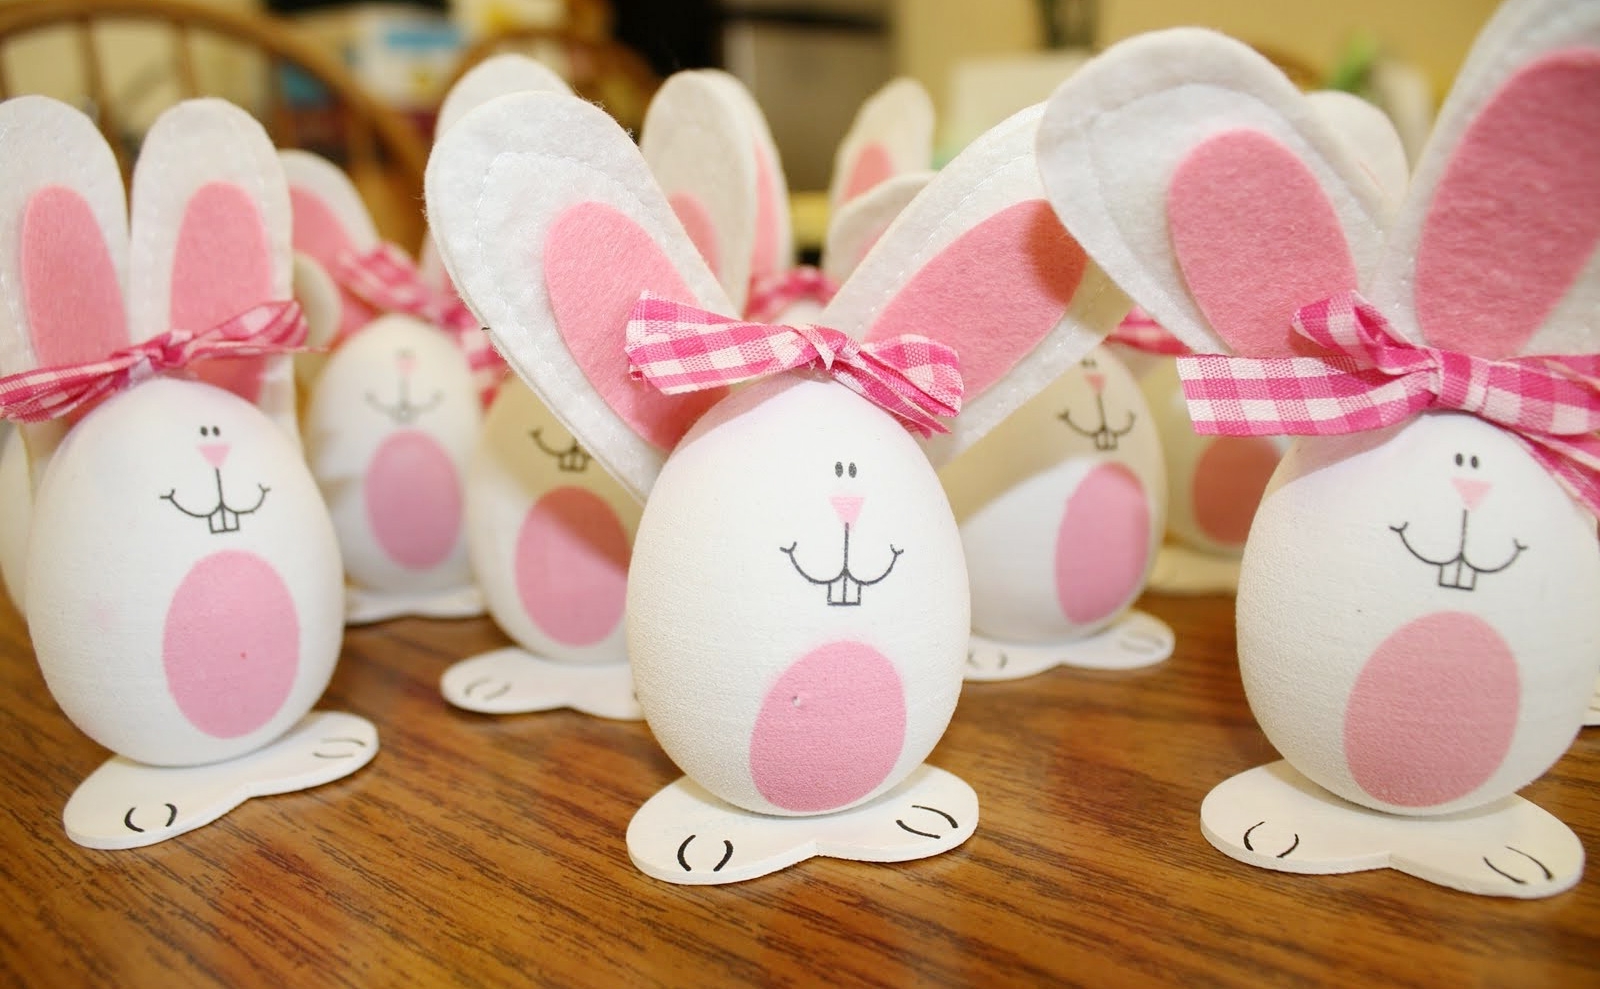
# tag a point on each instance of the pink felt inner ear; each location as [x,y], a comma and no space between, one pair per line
[221,267]
[768,249]
[1256,239]
[871,166]
[697,223]
[319,234]
[993,294]
[69,284]
[596,264]
[1517,214]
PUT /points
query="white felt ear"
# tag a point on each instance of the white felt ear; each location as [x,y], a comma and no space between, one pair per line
[210,238]
[328,211]
[1494,251]
[698,141]
[978,261]
[1205,184]
[318,296]
[1371,137]
[64,261]
[773,252]
[496,76]
[857,224]
[892,134]
[543,209]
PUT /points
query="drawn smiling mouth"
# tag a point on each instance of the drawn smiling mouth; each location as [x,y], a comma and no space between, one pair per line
[223,518]
[574,459]
[404,412]
[1105,438]
[1458,573]
[844,588]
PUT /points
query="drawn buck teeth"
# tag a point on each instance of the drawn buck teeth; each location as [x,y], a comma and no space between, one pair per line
[573,460]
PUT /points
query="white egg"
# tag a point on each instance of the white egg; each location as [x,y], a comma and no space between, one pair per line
[798,608]
[391,424]
[1061,507]
[184,582]
[16,509]
[1416,617]
[550,534]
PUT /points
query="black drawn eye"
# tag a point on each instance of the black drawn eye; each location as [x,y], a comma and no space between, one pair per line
[1458,460]
[1089,363]
[838,468]
[1474,461]
[210,430]
[853,468]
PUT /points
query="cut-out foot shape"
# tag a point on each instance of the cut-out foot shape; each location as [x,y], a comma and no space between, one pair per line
[125,804]
[685,835]
[1275,818]
[514,681]
[364,607]
[1134,640]
[1181,570]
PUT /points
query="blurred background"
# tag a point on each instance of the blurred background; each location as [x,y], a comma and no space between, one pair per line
[810,63]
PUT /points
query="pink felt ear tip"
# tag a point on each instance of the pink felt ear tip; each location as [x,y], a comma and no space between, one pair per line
[848,509]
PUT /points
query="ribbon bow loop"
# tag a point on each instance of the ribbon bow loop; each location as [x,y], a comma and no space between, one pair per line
[1369,379]
[679,349]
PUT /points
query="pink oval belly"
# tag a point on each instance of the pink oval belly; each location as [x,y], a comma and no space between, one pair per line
[1229,479]
[1432,714]
[571,566]
[414,500]
[1102,545]
[231,644]
[830,730]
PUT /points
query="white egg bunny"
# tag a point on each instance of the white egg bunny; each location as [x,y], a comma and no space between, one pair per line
[183,578]
[549,532]
[797,608]
[394,411]
[1214,483]
[16,509]
[1417,627]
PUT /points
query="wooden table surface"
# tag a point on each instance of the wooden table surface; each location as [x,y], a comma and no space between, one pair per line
[488,851]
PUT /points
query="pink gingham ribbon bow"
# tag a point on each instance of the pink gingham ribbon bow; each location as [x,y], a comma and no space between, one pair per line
[388,281]
[772,294]
[1372,379]
[1138,331]
[51,392]
[679,348]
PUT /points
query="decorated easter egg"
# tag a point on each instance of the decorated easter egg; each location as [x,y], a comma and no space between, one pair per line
[184,584]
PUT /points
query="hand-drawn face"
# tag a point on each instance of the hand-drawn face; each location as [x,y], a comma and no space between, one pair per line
[844,585]
[406,403]
[1458,570]
[1101,424]
[570,458]
[221,517]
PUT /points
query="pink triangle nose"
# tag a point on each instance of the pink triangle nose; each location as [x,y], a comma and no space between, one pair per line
[849,509]
[1097,382]
[407,363]
[215,453]
[1471,491]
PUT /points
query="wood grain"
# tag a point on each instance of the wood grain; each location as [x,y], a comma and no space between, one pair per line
[487,851]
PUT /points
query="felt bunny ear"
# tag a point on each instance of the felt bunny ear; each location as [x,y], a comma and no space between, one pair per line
[1208,187]
[979,261]
[1371,138]
[496,76]
[1494,252]
[709,146]
[330,220]
[210,239]
[551,225]
[66,257]
[892,134]
[857,224]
